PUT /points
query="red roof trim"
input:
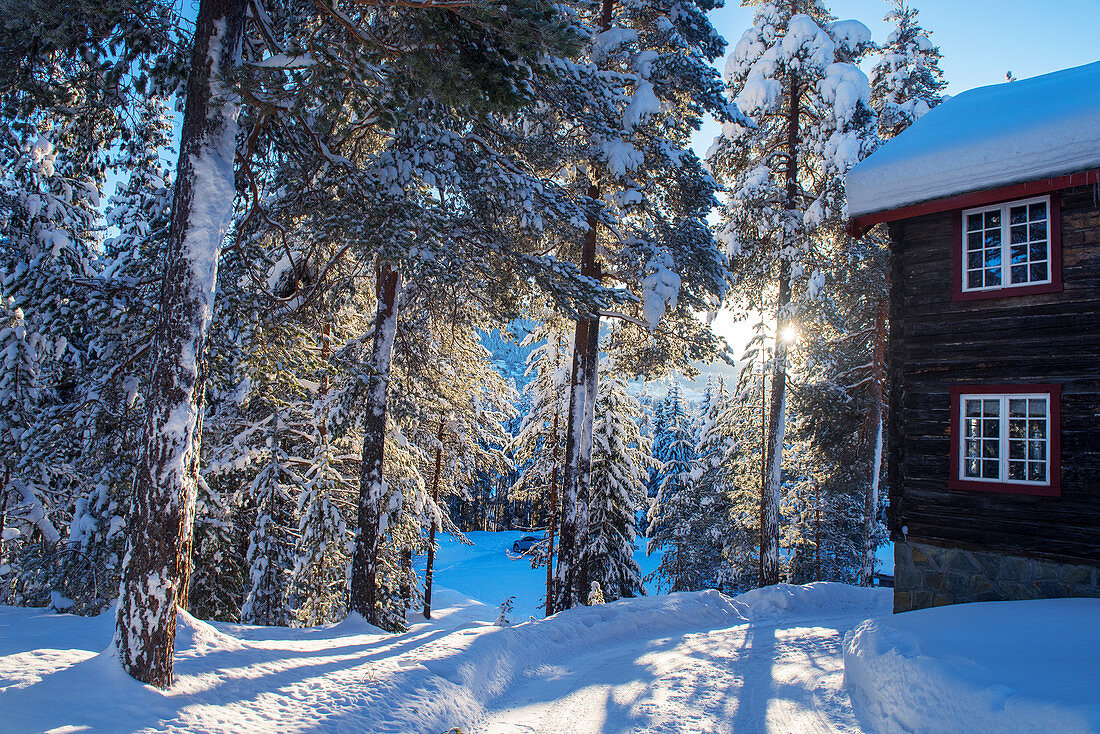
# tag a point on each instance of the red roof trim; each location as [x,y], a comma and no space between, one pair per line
[857,226]
[1054,489]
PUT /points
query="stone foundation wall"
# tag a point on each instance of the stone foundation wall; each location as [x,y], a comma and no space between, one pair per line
[931,576]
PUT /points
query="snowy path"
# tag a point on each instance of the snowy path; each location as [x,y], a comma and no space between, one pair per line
[692,662]
[769,660]
[758,678]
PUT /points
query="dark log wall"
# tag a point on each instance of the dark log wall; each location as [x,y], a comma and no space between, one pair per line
[936,344]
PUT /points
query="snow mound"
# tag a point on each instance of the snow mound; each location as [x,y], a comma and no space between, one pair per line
[818,600]
[993,667]
[195,637]
[986,137]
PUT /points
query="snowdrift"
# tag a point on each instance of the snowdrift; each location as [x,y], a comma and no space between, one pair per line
[993,667]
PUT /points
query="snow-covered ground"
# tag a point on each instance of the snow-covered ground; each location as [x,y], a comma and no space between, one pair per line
[991,668]
[769,660]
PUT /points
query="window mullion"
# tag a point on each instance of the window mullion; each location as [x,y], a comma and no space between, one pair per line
[1003,438]
[1006,231]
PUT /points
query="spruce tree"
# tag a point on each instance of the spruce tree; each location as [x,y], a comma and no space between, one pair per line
[716,450]
[620,468]
[670,515]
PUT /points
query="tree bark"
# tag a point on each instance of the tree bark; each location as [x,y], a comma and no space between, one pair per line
[572,571]
[553,522]
[4,513]
[591,386]
[429,568]
[162,512]
[571,506]
[364,569]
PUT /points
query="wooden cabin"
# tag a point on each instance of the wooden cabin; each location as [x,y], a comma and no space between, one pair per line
[992,201]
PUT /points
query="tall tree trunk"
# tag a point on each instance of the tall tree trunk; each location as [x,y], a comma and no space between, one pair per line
[163,505]
[870,510]
[572,571]
[553,522]
[429,569]
[777,414]
[364,569]
[817,531]
[763,462]
[406,576]
[584,490]
[571,502]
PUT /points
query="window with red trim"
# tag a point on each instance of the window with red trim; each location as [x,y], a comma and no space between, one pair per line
[1008,249]
[1005,438]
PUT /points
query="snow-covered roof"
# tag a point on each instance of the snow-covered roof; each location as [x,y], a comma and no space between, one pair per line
[987,137]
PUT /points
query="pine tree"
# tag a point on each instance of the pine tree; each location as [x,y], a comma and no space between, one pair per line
[270,544]
[218,581]
[906,79]
[319,578]
[793,75]
[906,82]
[656,57]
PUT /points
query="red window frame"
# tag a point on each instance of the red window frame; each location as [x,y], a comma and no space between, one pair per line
[1055,284]
[1054,488]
